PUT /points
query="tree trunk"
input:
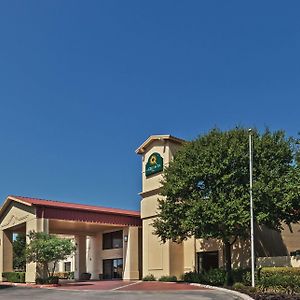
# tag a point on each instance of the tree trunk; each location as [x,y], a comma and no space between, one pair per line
[46,270]
[53,269]
[227,248]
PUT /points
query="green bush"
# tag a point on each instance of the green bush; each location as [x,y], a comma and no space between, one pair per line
[18,277]
[242,276]
[48,280]
[218,276]
[71,275]
[149,277]
[270,271]
[238,286]
[53,279]
[278,283]
[39,280]
[212,277]
[168,278]
[215,277]
[192,277]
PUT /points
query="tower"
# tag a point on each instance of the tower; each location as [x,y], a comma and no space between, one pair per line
[158,259]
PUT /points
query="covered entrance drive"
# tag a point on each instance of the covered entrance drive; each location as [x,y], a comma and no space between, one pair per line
[107,240]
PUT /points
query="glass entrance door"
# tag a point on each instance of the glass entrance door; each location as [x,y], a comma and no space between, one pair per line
[113,268]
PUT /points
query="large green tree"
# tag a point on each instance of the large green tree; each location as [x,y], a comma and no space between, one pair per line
[206,187]
[19,257]
[45,248]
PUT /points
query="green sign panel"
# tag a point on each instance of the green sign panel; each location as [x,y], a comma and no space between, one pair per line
[154,164]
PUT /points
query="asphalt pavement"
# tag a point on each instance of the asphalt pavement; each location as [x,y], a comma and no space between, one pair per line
[24,293]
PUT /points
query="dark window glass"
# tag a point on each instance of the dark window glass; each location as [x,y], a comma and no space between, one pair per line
[117,239]
[67,266]
[113,268]
[207,260]
[113,240]
[107,241]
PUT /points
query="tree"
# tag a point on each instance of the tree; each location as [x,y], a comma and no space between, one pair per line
[44,249]
[19,257]
[206,188]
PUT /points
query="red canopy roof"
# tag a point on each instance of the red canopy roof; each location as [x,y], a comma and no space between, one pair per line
[77,206]
[78,212]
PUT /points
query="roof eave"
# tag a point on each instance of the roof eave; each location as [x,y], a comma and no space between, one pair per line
[150,139]
[8,200]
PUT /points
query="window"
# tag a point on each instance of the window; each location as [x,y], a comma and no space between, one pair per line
[113,240]
[207,260]
[68,266]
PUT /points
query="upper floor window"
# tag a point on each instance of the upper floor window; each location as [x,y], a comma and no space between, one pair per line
[112,240]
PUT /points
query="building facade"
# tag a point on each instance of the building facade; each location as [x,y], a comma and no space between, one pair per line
[120,244]
[271,247]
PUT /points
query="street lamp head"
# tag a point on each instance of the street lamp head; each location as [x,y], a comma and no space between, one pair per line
[250,130]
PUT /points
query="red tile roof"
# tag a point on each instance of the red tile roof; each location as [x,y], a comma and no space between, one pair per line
[75,206]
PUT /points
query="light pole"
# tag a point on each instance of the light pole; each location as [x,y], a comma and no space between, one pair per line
[251,208]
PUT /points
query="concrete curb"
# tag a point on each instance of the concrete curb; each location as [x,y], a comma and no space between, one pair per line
[238,294]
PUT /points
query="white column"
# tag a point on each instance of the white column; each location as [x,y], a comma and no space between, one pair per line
[80,256]
[131,254]
[93,257]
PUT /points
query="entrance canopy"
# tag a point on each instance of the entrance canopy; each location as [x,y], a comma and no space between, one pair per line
[55,210]
[23,214]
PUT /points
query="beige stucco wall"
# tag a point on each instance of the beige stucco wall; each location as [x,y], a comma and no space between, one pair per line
[158,259]
[131,253]
[156,255]
[18,214]
[173,259]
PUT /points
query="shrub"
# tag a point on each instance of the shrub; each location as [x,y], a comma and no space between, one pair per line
[48,280]
[218,276]
[238,286]
[215,277]
[240,275]
[270,271]
[40,280]
[71,275]
[18,277]
[192,277]
[168,278]
[149,277]
[212,277]
[53,279]
[289,284]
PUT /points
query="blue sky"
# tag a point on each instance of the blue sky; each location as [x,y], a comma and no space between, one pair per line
[84,83]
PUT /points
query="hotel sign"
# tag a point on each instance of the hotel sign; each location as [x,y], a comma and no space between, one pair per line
[154,164]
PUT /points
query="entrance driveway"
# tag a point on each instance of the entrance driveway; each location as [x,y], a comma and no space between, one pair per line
[122,285]
[25,293]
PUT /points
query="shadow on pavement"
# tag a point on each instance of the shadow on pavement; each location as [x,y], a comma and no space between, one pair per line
[4,286]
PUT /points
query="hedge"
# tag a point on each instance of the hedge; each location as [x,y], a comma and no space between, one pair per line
[168,278]
[270,271]
[48,280]
[279,283]
[18,277]
[218,276]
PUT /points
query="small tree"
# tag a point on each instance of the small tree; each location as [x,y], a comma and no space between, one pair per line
[206,188]
[19,256]
[44,249]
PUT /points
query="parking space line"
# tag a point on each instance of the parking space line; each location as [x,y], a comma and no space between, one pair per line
[124,286]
